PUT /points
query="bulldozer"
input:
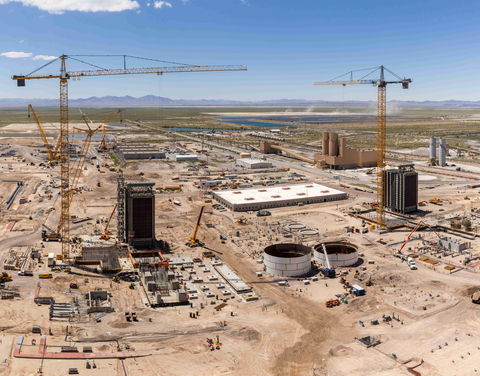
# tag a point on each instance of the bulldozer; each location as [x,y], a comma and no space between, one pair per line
[116,279]
[5,277]
[369,282]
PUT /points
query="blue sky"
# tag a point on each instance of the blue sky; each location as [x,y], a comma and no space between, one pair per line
[287,45]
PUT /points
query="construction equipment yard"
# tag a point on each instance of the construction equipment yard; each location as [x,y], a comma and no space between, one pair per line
[162,277]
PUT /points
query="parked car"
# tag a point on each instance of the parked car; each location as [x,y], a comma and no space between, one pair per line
[25,273]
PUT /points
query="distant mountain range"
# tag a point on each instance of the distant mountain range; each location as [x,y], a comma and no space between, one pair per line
[152,100]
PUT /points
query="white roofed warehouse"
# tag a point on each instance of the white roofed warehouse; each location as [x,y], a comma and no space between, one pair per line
[277,196]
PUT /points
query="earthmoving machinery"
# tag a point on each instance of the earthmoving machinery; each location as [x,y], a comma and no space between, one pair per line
[193,241]
[330,303]
[242,221]
[328,271]
[5,277]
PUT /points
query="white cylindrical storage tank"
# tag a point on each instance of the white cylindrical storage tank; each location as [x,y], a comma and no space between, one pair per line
[287,260]
[245,155]
[433,148]
[442,152]
[340,254]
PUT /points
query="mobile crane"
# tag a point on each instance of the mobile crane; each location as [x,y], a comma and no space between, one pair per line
[328,271]
[193,241]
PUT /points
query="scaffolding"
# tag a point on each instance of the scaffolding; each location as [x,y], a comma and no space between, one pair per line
[121,207]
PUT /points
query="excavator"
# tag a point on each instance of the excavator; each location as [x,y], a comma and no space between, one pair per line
[242,221]
[193,241]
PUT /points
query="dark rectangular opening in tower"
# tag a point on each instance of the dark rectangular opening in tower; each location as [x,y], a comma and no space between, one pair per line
[142,213]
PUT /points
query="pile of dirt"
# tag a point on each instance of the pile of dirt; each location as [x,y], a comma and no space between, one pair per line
[104,348]
[247,334]
[469,291]
[340,351]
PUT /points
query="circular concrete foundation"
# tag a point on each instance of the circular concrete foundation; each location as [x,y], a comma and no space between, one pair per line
[308,232]
[287,260]
[295,226]
[339,254]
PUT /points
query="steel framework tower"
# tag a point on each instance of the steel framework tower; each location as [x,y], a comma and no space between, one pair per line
[121,207]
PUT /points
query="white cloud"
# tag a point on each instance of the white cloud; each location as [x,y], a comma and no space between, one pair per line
[158,4]
[22,41]
[148,4]
[61,6]
[44,57]
[16,55]
[184,1]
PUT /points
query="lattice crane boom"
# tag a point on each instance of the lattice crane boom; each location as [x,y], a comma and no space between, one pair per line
[51,155]
[64,76]
[381,83]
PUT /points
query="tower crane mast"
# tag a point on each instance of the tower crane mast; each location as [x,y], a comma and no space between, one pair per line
[381,84]
[64,76]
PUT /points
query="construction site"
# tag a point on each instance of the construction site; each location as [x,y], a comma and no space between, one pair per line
[156,251]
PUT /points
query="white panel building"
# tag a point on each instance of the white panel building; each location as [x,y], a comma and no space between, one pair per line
[186,157]
[277,196]
[253,163]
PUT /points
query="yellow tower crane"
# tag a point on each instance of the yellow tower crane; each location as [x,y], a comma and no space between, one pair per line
[381,83]
[64,76]
[58,236]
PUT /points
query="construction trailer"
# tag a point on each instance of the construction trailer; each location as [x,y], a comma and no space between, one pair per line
[357,290]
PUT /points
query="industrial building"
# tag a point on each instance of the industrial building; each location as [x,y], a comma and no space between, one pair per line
[401,189]
[253,163]
[138,151]
[442,152]
[186,157]
[277,196]
[336,155]
[136,213]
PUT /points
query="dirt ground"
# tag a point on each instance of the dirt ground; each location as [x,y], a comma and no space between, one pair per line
[288,330]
